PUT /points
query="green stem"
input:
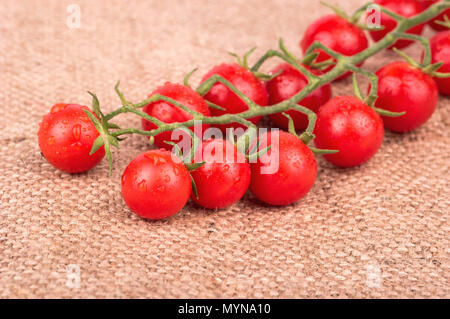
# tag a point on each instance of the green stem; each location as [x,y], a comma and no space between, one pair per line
[343,65]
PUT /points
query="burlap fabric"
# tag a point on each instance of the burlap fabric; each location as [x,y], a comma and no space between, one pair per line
[376,231]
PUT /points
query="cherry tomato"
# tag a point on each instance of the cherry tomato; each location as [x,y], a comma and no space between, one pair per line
[154,186]
[337,34]
[432,23]
[348,125]
[402,87]
[406,8]
[66,136]
[287,84]
[225,176]
[244,81]
[284,174]
[169,113]
[440,52]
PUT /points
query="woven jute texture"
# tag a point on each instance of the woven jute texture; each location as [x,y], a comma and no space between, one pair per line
[380,230]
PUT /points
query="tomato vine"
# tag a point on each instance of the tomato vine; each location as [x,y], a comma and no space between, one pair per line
[111,134]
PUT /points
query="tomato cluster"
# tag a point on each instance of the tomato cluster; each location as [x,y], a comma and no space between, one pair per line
[158,183]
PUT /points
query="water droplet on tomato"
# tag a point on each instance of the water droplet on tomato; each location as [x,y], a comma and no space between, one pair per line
[58,107]
[77,146]
[51,140]
[226,167]
[142,186]
[76,131]
[166,178]
[176,171]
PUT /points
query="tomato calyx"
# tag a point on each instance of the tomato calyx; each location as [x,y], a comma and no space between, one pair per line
[103,126]
[243,61]
[186,83]
[248,144]
[427,66]
[188,159]
[306,137]
[372,97]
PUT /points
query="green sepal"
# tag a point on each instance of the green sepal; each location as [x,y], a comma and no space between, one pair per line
[97,144]
[255,155]
[104,136]
[188,76]
[177,149]
[265,76]
[194,187]
[195,143]
[243,61]
[307,137]
[244,141]
[96,105]
[336,10]
[441,75]
[215,106]
[113,126]
[324,64]
[322,151]
[365,27]
[356,89]
[94,121]
[408,59]
[246,56]
[113,141]
[388,113]
[310,58]
[285,50]
[432,68]
[291,126]
[235,55]
[193,166]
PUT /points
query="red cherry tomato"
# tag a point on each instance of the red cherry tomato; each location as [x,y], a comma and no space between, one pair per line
[244,81]
[348,125]
[402,87]
[66,136]
[440,52]
[225,176]
[406,8]
[155,186]
[337,34]
[286,173]
[432,23]
[287,84]
[169,113]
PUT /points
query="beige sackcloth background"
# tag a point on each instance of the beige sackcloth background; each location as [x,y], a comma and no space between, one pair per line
[380,230]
